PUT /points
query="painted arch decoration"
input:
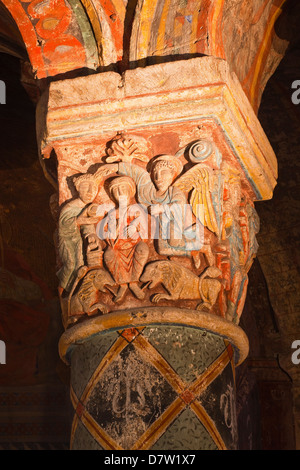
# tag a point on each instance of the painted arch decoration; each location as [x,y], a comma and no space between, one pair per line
[240,32]
[57,35]
[65,35]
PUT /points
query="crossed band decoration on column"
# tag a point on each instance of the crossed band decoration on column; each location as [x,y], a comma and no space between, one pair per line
[182,395]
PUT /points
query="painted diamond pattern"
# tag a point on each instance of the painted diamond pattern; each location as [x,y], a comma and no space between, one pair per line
[129,398]
[181,347]
[135,397]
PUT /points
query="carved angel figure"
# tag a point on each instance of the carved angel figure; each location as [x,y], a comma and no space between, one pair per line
[166,202]
[198,179]
[205,202]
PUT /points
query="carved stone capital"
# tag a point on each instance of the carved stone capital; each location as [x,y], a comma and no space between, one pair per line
[157,175]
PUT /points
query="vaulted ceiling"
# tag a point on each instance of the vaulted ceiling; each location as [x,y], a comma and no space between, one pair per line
[60,36]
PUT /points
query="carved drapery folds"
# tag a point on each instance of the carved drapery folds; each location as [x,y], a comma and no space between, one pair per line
[157,175]
[165,230]
[157,180]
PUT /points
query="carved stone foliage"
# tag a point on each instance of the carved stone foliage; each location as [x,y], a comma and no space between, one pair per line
[169,230]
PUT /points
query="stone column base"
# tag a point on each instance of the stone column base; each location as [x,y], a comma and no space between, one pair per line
[166,383]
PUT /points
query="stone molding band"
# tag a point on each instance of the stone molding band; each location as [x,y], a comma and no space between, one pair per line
[139,317]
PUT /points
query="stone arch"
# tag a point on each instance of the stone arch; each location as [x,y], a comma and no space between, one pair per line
[65,35]
[107,19]
[57,35]
[241,32]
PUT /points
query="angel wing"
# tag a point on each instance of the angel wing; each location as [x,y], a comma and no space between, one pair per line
[198,179]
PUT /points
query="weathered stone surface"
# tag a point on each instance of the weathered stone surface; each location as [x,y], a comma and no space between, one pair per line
[63,38]
[183,91]
[190,141]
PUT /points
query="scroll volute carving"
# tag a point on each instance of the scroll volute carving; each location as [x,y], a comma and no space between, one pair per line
[172,230]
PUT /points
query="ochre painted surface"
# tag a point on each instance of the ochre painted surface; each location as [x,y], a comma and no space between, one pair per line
[56,41]
[63,36]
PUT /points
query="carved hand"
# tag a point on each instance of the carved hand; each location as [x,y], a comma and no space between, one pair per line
[107,169]
[86,220]
[91,210]
[92,239]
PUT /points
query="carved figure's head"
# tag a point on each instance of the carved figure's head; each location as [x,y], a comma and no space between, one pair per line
[86,187]
[122,189]
[103,279]
[152,274]
[164,170]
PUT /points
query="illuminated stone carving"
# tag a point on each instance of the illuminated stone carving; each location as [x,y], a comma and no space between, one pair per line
[185,221]
[157,229]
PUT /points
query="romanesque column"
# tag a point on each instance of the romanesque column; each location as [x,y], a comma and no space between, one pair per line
[158,172]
